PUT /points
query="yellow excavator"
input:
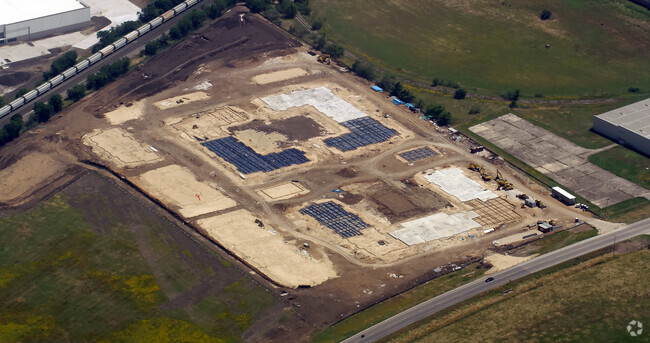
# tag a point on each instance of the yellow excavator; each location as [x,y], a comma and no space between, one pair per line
[325,59]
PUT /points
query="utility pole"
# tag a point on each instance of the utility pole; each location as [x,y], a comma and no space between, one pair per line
[614,248]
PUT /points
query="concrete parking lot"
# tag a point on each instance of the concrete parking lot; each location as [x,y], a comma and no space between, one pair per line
[559,159]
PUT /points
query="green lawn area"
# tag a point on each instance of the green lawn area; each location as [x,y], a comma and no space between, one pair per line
[90,266]
[625,163]
[628,211]
[559,240]
[597,48]
[592,301]
[392,306]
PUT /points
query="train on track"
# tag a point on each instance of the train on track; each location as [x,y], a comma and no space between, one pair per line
[103,53]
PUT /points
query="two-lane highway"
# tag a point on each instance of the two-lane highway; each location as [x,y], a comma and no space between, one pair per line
[467,291]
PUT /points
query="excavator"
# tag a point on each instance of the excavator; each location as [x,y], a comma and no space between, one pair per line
[485,175]
[503,183]
[325,59]
[475,166]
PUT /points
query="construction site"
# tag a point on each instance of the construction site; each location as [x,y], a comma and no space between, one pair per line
[319,185]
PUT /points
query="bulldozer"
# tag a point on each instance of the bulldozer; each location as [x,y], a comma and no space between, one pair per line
[325,59]
[539,204]
[522,196]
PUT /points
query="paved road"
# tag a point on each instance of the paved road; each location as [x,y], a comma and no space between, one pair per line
[455,296]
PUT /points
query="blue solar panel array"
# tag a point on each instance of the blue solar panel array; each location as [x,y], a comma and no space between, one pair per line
[417,154]
[248,161]
[365,131]
[336,218]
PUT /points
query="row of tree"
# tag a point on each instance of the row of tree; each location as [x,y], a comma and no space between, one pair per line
[108,73]
[60,64]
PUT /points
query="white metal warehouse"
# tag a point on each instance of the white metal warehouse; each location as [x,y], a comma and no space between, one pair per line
[31,19]
[628,125]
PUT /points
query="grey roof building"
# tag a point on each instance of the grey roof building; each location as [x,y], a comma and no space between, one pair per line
[628,125]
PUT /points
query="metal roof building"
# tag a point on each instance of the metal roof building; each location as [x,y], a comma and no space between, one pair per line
[628,125]
[31,19]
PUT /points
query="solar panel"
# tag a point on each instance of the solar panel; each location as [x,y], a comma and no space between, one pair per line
[336,218]
[364,131]
[248,161]
[418,154]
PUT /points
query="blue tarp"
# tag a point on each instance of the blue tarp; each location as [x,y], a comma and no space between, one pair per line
[376,89]
[397,102]
[408,104]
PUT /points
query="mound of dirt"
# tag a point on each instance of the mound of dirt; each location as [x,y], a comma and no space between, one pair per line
[14,79]
[300,128]
[347,172]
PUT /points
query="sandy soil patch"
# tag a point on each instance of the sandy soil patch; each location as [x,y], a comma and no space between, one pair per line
[125,113]
[120,148]
[265,249]
[279,75]
[181,100]
[284,191]
[501,262]
[25,174]
[208,124]
[262,142]
[177,186]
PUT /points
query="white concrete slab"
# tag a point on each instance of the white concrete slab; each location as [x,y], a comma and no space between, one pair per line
[20,52]
[452,181]
[117,11]
[436,226]
[320,98]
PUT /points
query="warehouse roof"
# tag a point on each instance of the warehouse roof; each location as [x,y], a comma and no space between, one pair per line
[14,11]
[634,117]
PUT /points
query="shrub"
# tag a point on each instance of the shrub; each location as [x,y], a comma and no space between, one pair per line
[545,15]
[334,50]
[76,93]
[42,111]
[363,70]
[512,95]
[475,109]
[634,90]
[460,94]
[513,104]
[317,25]
[57,103]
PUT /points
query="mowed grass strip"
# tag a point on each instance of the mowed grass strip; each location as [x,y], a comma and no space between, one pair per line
[115,271]
[625,163]
[589,302]
[398,303]
[596,47]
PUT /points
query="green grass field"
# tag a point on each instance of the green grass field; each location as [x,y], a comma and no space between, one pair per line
[597,47]
[625,163]
[91,266]
[559,240]
[590,302]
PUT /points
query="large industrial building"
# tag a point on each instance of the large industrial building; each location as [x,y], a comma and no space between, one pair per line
[628,125]
[31,19]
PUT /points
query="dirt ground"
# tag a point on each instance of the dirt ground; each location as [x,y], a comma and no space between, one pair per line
[203,190]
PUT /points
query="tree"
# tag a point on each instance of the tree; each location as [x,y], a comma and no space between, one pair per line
[2,101]
[512,95]
[256,5]
[321,42]
[513,104]
[21,92]
[546,14]
[151,48]
[444,119]
[460,94]
[435,82]
[317,25]
[363,70]
[76,93]
[197,17]
[432,112]
[14,126]
[334,50]
[43,111]
[386,82]
[175,33]
[57,103]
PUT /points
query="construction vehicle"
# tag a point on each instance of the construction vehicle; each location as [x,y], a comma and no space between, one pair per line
[539,204]
[499,176]
[475,149]
[475,166]
[522,196]
[485,175]
[325,59]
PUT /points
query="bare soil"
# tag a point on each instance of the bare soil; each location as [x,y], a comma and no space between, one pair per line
[401,204]
[14,79]
[299,128]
